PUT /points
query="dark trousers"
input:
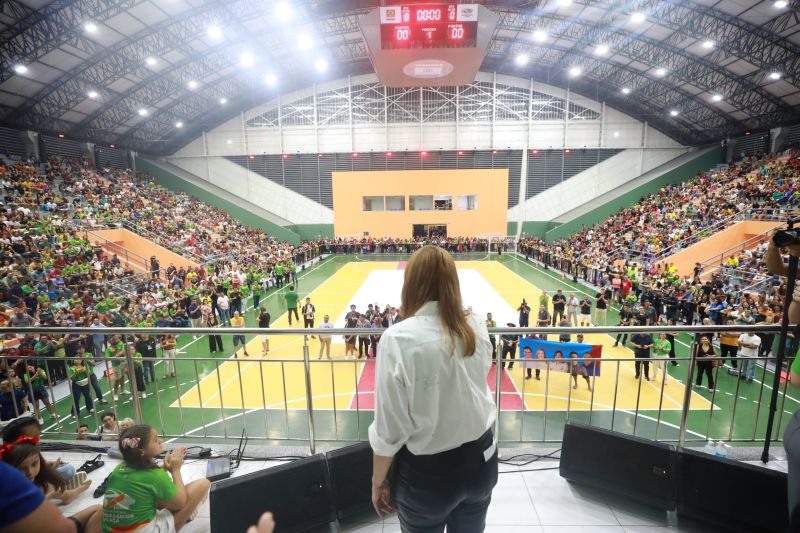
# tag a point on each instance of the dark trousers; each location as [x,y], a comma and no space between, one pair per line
[96,386]
[511,351]
[708,368]
[493,340]
[642,362]
[308,322]
[77,392]
[624,337]
[558,315]
[363,346]
[523,321]
[672,350]
[296,316]
[215,343]
[452,488]
[256,300]
[726,350]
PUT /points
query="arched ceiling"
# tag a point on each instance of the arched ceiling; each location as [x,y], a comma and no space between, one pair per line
[132,78]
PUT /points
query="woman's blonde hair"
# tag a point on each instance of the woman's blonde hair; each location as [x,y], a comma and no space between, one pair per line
[431,275]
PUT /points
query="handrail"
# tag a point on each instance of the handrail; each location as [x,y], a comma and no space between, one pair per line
[742,246]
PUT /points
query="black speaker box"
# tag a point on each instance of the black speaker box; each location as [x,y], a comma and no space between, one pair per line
[731,495]
[351,479]
[635,468]
[297,494]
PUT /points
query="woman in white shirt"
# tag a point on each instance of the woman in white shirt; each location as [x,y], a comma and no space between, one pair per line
[433,407]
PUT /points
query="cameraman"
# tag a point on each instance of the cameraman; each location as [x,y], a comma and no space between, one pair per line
[791,437]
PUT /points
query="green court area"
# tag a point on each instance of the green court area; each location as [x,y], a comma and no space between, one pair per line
[216,397]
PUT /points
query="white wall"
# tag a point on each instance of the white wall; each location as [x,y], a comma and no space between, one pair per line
[256,189]
[589,184]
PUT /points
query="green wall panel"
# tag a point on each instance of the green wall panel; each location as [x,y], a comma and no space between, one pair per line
[682,173]
[309,232]
[170,181]
[537,228]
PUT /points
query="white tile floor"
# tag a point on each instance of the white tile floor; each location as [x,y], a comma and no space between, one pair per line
[522,502]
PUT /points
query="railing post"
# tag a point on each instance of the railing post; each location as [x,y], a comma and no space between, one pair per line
[309,403]
[687,397]
[498,381]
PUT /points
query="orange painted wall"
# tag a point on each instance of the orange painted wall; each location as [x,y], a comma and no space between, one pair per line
[490,185]
[717,244]
[141,247]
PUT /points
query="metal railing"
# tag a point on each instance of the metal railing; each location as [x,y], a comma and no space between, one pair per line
[297,398]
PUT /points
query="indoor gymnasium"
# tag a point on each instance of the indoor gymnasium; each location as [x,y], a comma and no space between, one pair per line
[371,266]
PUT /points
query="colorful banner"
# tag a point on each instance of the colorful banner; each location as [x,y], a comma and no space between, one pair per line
[565,356]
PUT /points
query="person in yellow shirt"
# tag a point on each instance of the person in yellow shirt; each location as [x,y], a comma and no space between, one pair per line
[237,321]
[728,347]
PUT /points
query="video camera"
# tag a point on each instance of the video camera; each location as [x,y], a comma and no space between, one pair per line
[786,237]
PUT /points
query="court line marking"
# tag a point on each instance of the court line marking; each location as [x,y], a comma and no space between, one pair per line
[541,271]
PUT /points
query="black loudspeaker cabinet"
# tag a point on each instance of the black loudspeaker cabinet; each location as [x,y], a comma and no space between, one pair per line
[731,495]
[635,468]
[351,479]
[297,493]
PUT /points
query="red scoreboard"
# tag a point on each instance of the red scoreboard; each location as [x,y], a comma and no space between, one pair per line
[429,26]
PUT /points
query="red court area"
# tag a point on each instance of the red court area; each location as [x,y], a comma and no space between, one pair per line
[510,398]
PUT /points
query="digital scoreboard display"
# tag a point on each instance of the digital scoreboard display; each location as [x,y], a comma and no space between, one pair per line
[429,26]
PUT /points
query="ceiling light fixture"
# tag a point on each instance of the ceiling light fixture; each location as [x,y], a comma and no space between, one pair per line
[150,61]
[223,101]
[20,69]
[540,36]
[661,72]
[625,90]
[575,72]
[708,44]
[179,125]
[638,17]
[616,134]
[270,79]
[774,75]
[674,113]
[247,59]
[214,31]
[283,11]
[193,85]
[321,65]
[716,97]
[143,112]
[601,50]
[304,41]
[521,60]
[92,94]
[780,4]
[90,27]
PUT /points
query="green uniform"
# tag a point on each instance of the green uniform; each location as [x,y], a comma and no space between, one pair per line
[291,299]
[131,496]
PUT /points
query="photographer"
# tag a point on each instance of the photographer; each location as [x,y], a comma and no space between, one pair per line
[791,438]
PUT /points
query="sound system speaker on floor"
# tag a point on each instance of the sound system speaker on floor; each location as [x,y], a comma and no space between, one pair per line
[351,479]
[730,494]
[297,493]
[633,467]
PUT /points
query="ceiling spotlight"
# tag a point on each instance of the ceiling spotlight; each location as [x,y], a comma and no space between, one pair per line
[321,65]
[780,4]
[521,60]
[774,75]
[270,79]
[283,11]
[229,141]
[564,2]
[150,61]
[716,97]
[143,112]
[574,72]
[193,85]
[179,125]
[601,50]
[90,27]
[214,31]
[708,44]
[674,113]
[20,69]
[616,134]
[304,41]
[625,90]
[638,17]
[247,59]
[661,72]
[540,36]
[223,101]
[92,94]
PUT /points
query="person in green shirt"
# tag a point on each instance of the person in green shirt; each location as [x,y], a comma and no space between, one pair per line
[140,495]
[279,274]
[78,373]
[116,354]
[290,298]
[544,299]
[661,349]
[36,379]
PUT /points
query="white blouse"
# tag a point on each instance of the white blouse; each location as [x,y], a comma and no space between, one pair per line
[425,397]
